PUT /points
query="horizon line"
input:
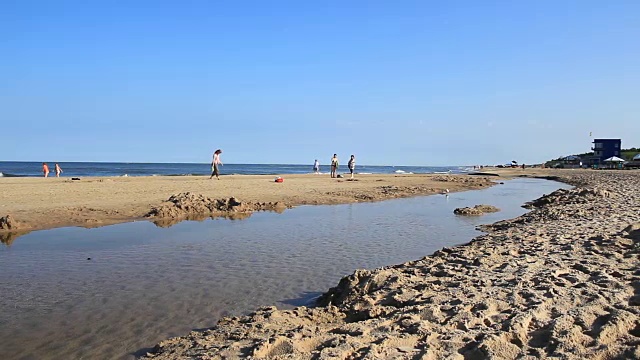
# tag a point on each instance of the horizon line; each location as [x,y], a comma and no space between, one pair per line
[207,163]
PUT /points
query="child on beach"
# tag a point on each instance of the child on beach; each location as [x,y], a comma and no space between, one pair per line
[215,163]
[316,167]
[45,169]
[58,170]
[334,165]
[352,165]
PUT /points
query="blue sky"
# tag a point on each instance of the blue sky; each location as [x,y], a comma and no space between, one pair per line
[394,82]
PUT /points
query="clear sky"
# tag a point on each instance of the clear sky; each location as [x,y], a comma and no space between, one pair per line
[394,82]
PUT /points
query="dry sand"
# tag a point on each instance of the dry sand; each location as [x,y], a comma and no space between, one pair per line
[39,203]
[559,282]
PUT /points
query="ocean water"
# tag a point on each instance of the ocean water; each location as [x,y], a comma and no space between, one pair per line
[145,283]
[83,169]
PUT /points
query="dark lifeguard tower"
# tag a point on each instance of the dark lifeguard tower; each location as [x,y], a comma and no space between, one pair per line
[604,149]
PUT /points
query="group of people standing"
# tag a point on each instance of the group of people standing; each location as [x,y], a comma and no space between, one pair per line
[216,163]
[45,170]
[334,165]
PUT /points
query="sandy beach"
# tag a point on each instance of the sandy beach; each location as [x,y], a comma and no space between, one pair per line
[38,203]
[561,281]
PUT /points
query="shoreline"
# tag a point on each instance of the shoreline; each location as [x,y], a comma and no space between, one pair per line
[39,204]
[558,281]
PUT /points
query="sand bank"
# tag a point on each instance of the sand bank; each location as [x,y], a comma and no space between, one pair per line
[559,282]
[39,203]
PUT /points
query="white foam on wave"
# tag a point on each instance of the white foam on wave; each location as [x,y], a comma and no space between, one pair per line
[400,172]
[1,174]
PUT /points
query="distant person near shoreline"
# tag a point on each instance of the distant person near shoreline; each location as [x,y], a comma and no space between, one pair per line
[215,171]
[352,165]
[316,167]
[58,170]
[45,169]
[334,165]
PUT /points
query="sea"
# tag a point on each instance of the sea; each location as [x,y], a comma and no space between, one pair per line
[84,169]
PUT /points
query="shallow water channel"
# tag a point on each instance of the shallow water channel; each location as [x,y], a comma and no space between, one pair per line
[144,283]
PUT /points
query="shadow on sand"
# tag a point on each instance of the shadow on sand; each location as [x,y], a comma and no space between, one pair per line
[307,298]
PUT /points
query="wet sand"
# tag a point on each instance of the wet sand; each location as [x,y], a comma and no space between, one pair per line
[39,203]
[559,282]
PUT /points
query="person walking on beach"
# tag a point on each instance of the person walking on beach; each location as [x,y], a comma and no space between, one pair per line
[45,169]
[334,165]
[316,167]
[215,171]
[352,165]
[58,170]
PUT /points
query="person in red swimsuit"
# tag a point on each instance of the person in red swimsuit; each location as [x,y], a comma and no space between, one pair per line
[45,169]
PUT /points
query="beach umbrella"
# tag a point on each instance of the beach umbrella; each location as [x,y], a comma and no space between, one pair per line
[613,159]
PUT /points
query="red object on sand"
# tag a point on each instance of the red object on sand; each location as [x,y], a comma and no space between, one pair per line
[279,180]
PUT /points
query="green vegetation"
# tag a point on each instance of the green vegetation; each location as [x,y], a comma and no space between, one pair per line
[626,154]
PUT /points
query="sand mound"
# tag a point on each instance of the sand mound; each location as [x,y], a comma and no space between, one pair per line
[476,210]
[195,206]
[9,223]
[571,196]
[538,286]
[10,230]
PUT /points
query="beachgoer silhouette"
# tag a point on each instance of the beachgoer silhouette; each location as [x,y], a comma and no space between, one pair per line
[334,165]
[58,170]
[316,167]
[45,169]
[352,165]
[215,171]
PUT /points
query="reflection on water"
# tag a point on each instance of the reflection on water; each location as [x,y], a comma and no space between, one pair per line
[145,283]
[9,237]
[169,222]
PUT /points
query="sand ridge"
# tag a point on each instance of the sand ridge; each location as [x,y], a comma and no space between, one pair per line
[476,210]
[38,203]
[561,281]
